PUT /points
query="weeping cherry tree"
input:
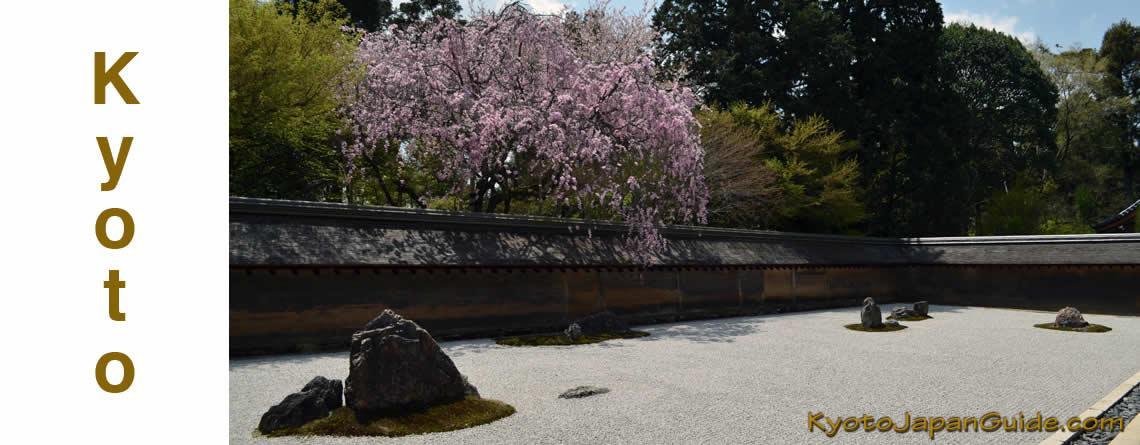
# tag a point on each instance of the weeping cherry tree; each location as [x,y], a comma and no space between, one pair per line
[505,109]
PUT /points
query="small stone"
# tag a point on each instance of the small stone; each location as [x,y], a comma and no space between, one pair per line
[583,391]
[1070,317]
[891,323]
[602,323]
[315,401]
[573,332]
[922,308]
[871,316]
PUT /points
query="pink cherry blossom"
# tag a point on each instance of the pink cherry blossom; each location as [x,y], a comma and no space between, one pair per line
[508,101]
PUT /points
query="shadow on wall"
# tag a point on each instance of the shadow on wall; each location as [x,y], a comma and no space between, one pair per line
[923,254]
[268,240]
[257,241]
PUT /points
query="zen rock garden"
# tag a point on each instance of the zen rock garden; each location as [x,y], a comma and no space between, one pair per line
[396,379]
[399,382]
[593,328]
[1070,319]
[871,317]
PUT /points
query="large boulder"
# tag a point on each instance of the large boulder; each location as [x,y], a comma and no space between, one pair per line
[922,308]
[1070,317]
[602,323]
[315,401]
[871,316]
[396,366]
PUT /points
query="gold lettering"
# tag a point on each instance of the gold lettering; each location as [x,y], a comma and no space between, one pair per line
[113,76]
[101,372]
[113,285]
[101,228]
[813,421]
[113,163]
[991,422]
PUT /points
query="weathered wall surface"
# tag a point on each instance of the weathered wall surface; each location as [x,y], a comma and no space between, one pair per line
[305,276]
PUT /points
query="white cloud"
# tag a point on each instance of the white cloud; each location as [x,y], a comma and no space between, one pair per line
[1005,24]
[538,6]
[546,6]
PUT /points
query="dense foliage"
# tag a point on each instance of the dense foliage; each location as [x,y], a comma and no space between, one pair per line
[769,174]
[1009,114]
[1120,50]
[288,64]
[869,68]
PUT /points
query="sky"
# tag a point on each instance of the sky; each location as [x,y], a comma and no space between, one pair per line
[1056,22]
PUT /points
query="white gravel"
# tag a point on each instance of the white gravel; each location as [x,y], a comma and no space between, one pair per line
[754,379]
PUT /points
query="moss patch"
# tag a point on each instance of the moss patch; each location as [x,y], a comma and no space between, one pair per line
[466,413]
[914,318]
[1090,328]
[563,340]
[886,328]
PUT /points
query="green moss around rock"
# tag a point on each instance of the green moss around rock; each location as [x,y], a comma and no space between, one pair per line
[1090,328]
[466,413]
[915,318]
[563,340]
[886,328]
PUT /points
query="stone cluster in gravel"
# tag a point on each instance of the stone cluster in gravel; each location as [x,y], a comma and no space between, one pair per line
[749,380]
[1127,407]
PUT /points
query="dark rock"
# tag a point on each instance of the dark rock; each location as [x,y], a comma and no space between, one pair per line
[468,388]
[871,316]
[573,332]
[583,391]
[923,308]
[397,366]
[1070,317]
[315,401]
[903,312]
[602,323]
[385,319]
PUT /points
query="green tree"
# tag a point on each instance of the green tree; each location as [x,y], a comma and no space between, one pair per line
[771,174]
[1010,110]
[1018,211]
[868,67]
[288,64]
[1087,176]
[795,55]
[1120,50]
[743,192]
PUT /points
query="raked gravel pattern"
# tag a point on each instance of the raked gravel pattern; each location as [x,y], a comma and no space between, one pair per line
[753,379]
